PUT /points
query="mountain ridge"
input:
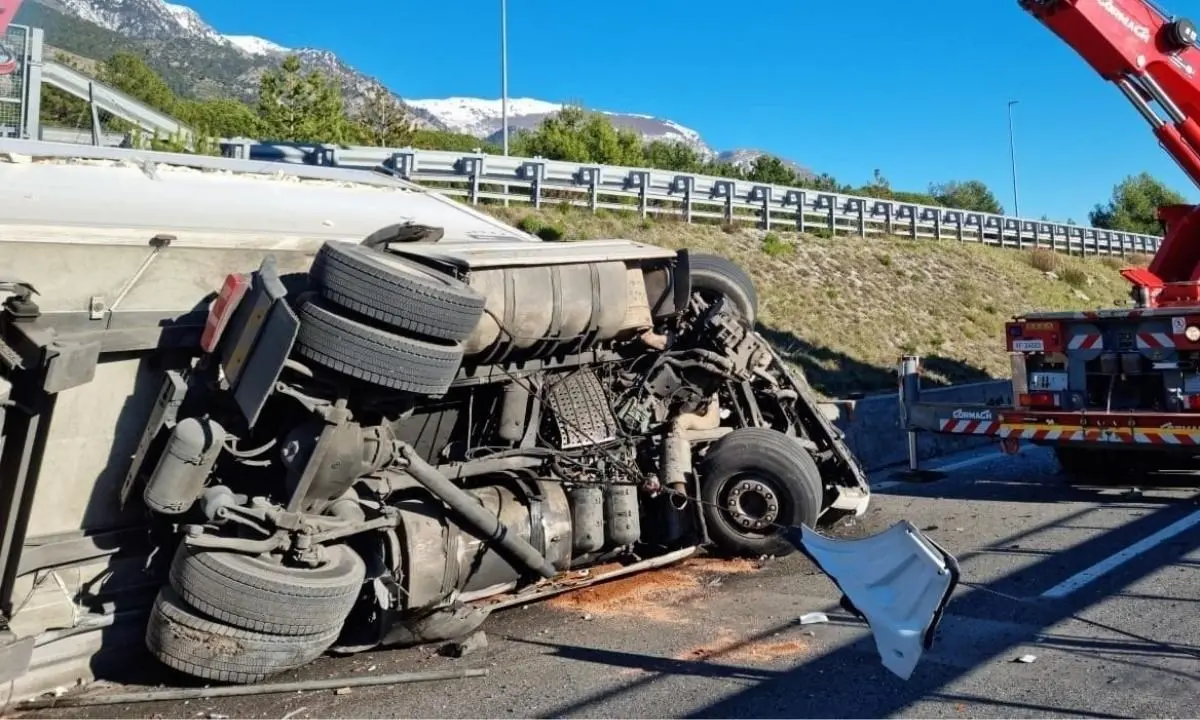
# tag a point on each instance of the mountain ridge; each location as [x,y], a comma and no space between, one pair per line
[198,60]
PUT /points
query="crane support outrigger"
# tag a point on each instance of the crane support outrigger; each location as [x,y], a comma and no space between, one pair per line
[1119,379]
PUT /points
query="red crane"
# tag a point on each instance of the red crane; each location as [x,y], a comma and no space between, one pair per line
[1152,57]
[8,10]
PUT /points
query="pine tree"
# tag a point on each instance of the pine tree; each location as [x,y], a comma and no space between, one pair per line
[301,108]
[382,121]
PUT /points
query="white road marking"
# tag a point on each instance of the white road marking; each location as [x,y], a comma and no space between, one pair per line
[1078,580]
[966,459]
[968,462]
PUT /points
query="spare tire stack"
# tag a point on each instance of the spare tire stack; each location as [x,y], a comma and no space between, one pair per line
[385,319]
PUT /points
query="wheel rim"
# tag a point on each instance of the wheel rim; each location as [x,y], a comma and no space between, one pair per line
[751,505]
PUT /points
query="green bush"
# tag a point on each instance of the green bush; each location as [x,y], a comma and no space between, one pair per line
[776,246]
[552,233]
[530,224]
[1074,277]
[1044,260]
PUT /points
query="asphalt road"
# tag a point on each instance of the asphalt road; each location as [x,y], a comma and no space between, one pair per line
[1100,585]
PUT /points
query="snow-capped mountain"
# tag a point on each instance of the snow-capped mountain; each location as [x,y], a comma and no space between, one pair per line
[155,19]
[485,119]
[152,19]
[186,50]
[197,58]
[256,45]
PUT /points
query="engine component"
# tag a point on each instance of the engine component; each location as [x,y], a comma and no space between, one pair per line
[489,524]
[185,464]
[536,311]
[440,625]
[587,517]
[677,450]
[580,413]
[353,451]
[622,522]
[438,558]
[512,411]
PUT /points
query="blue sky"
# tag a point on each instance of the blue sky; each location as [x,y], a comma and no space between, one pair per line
[916,89]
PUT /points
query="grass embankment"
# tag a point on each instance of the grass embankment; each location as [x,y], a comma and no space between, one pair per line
[846,309]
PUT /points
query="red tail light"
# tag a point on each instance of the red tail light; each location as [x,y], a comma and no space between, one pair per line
[1193,402]
[1039,399]
[222,309]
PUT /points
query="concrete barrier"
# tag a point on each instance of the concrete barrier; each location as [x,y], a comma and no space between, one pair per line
[873,429]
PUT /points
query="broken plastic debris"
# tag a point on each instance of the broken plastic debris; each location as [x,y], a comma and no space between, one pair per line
[813,618]
[1027,658]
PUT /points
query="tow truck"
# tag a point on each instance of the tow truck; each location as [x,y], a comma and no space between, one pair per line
[1115,391]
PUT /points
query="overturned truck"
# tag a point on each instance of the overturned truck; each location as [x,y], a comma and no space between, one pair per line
[303,434]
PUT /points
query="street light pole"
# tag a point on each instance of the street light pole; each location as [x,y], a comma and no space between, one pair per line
[1012,150]
[504,70]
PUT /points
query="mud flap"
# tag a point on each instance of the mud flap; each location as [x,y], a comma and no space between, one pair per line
[898,580]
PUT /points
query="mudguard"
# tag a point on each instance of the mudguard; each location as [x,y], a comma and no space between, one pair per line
[898,580]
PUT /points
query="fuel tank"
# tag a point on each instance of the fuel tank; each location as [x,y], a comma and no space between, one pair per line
[544,299]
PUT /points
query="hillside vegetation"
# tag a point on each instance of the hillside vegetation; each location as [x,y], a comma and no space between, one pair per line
[845,310]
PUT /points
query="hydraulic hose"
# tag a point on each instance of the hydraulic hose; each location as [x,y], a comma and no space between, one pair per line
[471,511]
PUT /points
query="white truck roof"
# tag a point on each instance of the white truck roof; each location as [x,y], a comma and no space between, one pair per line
[50,190]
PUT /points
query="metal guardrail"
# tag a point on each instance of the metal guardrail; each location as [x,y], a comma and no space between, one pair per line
[103,97]
[478,177]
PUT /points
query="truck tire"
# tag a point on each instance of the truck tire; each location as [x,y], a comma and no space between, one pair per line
[258,593]
[397,292]
[182,639]
[719,275]
[753,470]
[376,356]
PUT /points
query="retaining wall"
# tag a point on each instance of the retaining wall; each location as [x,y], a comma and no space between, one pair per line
[873,426]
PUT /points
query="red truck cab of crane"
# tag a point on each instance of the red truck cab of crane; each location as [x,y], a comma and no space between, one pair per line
[8,10]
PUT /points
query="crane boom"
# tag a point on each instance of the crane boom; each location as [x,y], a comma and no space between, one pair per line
[1153,59]
[8,10]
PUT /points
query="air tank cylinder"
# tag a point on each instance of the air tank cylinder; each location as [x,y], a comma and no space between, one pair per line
[623,524]
[178,479]
[587,518]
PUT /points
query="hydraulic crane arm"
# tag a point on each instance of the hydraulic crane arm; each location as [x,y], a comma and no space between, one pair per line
[8,10]
[1153,59]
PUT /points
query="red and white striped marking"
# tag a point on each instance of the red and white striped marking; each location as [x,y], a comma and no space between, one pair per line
[969,427]
[1074,433]
[1154,341]
[1040,432]
[1086,341]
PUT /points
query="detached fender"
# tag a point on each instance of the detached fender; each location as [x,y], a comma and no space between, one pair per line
[898,580]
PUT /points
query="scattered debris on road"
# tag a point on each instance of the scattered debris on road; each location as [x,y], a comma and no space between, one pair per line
[813,618]
[472,643]
[167,694]
[1027,659]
